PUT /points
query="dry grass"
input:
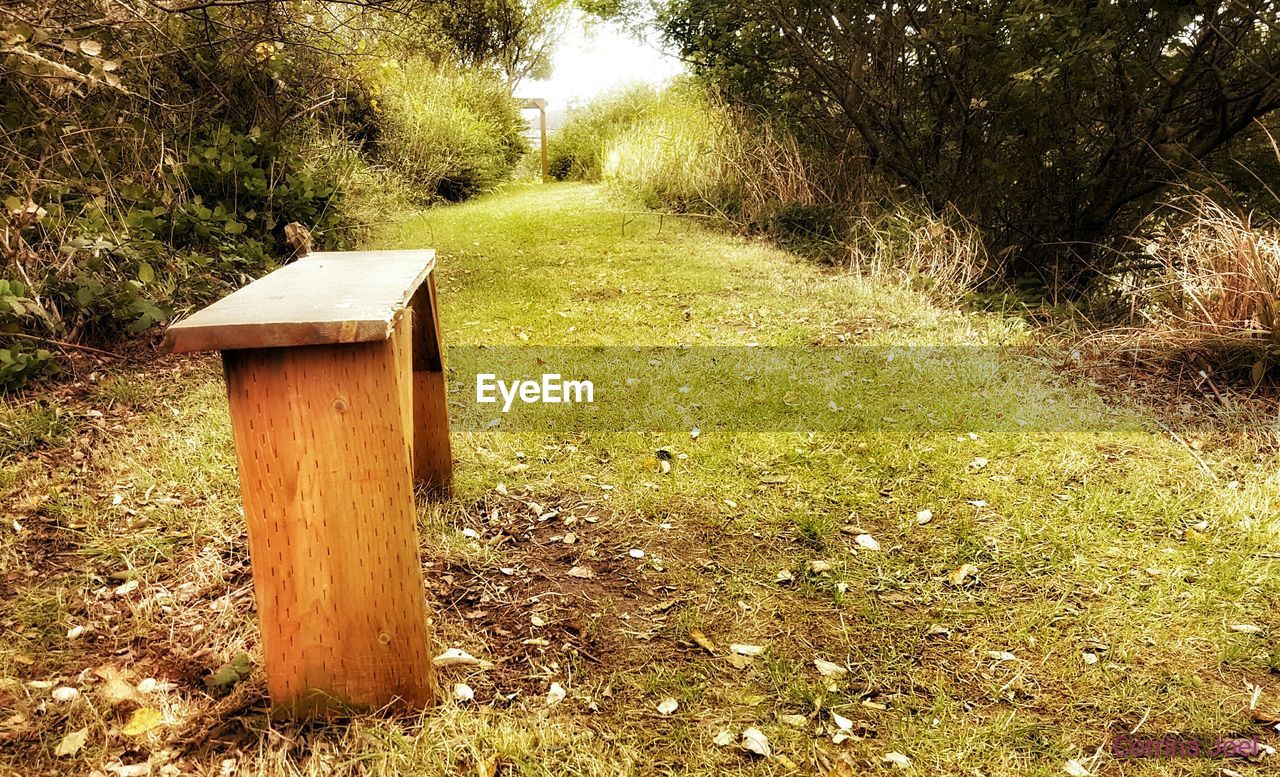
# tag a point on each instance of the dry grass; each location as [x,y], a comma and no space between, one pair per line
[943,256]
[1222,274]
[1203,306]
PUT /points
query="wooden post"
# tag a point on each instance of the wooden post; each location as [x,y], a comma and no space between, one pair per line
[542,129]
[322,442]
[337,400]
[432,455]
[529,103]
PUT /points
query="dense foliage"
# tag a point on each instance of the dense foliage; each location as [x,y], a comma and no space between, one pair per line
[152,153]
[1054,125]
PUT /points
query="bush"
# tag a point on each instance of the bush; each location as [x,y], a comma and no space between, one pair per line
[448,135]
[20,364]
[1212,289]
[1057,125]
[577,150]
[132,254]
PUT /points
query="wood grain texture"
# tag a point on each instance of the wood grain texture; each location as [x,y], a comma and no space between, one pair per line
[432,454]
[328,297]
[323,445]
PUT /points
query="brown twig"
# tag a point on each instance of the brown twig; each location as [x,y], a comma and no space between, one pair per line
[62,344]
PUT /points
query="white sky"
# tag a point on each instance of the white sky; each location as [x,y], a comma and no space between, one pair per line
[594,57]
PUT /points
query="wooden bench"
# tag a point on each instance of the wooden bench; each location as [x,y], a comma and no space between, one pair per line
[336,385]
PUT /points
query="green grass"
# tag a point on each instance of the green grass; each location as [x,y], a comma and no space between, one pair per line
[1079,541]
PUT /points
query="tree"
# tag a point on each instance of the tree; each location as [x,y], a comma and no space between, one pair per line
[1055,124]
[515,35]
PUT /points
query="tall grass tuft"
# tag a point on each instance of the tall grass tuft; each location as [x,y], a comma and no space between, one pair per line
[943,255]
[448,134]
[1223,272]
[1215,288]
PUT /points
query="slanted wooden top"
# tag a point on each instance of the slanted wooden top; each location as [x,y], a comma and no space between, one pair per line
[321,299]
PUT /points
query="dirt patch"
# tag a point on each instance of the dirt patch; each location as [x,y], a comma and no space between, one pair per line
[556,597]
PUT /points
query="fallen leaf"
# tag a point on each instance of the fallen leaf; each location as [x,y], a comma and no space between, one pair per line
[739,662]
[74,632]
[667,706]
[71,743]
[898,760]
[90,47]
[65,694]
[229,674]
[463,692]
[784,576]
[754,741]
[701,641]
[555,694]
[115,690]
[867,541]
[978,463]
[842,723]
[817,567]
[1075,769]
[746,650]
[794,720]
[141,721]
[723,739]
[1001,655]
[459,657]
[636,553]
[828,669]
[924,516]
[584,573]
[959,576]
[1247,628]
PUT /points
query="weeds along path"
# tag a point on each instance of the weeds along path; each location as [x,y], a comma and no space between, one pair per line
[996,602]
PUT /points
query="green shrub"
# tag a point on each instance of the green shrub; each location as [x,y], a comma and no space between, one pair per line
[685,150]
[152,160]
[133,256]
[449,135]
[577,150]
[21,364]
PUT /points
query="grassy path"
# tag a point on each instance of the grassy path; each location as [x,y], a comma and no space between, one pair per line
[1059,588]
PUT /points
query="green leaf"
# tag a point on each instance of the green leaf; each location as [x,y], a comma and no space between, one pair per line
[146,273]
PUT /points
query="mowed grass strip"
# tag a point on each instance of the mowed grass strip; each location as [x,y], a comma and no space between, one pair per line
[1002,603]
